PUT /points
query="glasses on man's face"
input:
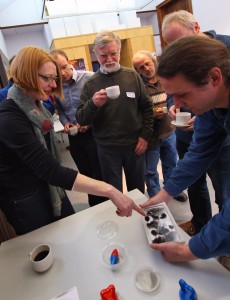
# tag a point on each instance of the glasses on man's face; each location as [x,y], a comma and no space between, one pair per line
[49,79]
[106,55]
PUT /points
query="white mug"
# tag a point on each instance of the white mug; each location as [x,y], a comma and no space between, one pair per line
[41,258]
[113,92]
[182,118]
[73,130]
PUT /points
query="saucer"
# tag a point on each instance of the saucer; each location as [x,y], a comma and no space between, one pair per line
[107,230]
[147,280]
[179,125]
[105,256]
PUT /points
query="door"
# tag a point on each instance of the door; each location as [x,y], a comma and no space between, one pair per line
[169,6]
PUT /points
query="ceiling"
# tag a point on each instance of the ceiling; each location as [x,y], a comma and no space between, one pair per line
[23,29]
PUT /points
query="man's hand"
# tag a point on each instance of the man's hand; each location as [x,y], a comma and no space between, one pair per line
[191,123]
[100,98]
[174,252]
[67,126]
[162,196]
[82,129]
[141,146]
[172,112]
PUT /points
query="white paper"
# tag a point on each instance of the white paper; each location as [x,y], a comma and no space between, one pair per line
[130,94]
[71,294]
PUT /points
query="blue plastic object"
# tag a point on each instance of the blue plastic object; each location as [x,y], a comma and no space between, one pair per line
[186,292]
[114,258]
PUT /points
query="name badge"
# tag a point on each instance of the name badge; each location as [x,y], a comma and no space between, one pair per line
[130,94]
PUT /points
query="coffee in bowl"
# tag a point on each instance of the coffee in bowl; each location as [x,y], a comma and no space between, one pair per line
[41,258]
[41,255]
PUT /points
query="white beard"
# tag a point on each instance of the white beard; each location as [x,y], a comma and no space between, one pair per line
[149,76]
[105,69]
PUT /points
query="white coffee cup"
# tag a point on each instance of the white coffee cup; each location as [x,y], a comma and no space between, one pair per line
[182,118]
[41,258]
[113,92]
[165,110]
[73,130]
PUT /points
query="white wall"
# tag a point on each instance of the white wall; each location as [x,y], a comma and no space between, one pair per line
[3,45]
[213,14]
[48,35]
[150,18]
[76,25]
[151,5]
[16,42]
[56,8]
[210,14]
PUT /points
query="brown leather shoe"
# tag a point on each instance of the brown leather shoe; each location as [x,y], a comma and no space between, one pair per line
[224,260]
[189,228]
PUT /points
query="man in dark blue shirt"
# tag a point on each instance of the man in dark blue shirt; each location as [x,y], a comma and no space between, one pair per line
[177,25]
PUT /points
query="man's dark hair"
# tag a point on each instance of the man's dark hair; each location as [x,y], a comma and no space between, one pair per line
[194,57]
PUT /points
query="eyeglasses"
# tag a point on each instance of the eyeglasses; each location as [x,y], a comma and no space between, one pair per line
[49,78]
[105,56]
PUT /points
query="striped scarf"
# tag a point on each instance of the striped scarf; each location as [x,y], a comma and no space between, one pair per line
[42,122]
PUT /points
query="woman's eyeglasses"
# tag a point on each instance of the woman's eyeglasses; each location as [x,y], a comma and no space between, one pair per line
[49,78]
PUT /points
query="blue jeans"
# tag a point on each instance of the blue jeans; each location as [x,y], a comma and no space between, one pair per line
[198,194]
[166,151]
[112,163]
[32,210]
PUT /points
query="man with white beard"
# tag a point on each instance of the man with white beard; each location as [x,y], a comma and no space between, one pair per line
[122,126]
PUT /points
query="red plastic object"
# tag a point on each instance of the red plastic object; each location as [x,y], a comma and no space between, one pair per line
[109,293]
[115,252]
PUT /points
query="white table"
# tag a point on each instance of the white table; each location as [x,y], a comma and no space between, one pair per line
[76,249]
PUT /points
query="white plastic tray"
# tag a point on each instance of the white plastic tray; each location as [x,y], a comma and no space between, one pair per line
[160,225]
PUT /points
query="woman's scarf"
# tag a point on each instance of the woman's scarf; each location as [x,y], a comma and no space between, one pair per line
[42,122]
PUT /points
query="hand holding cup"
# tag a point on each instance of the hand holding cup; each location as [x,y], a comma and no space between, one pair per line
[73,130]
